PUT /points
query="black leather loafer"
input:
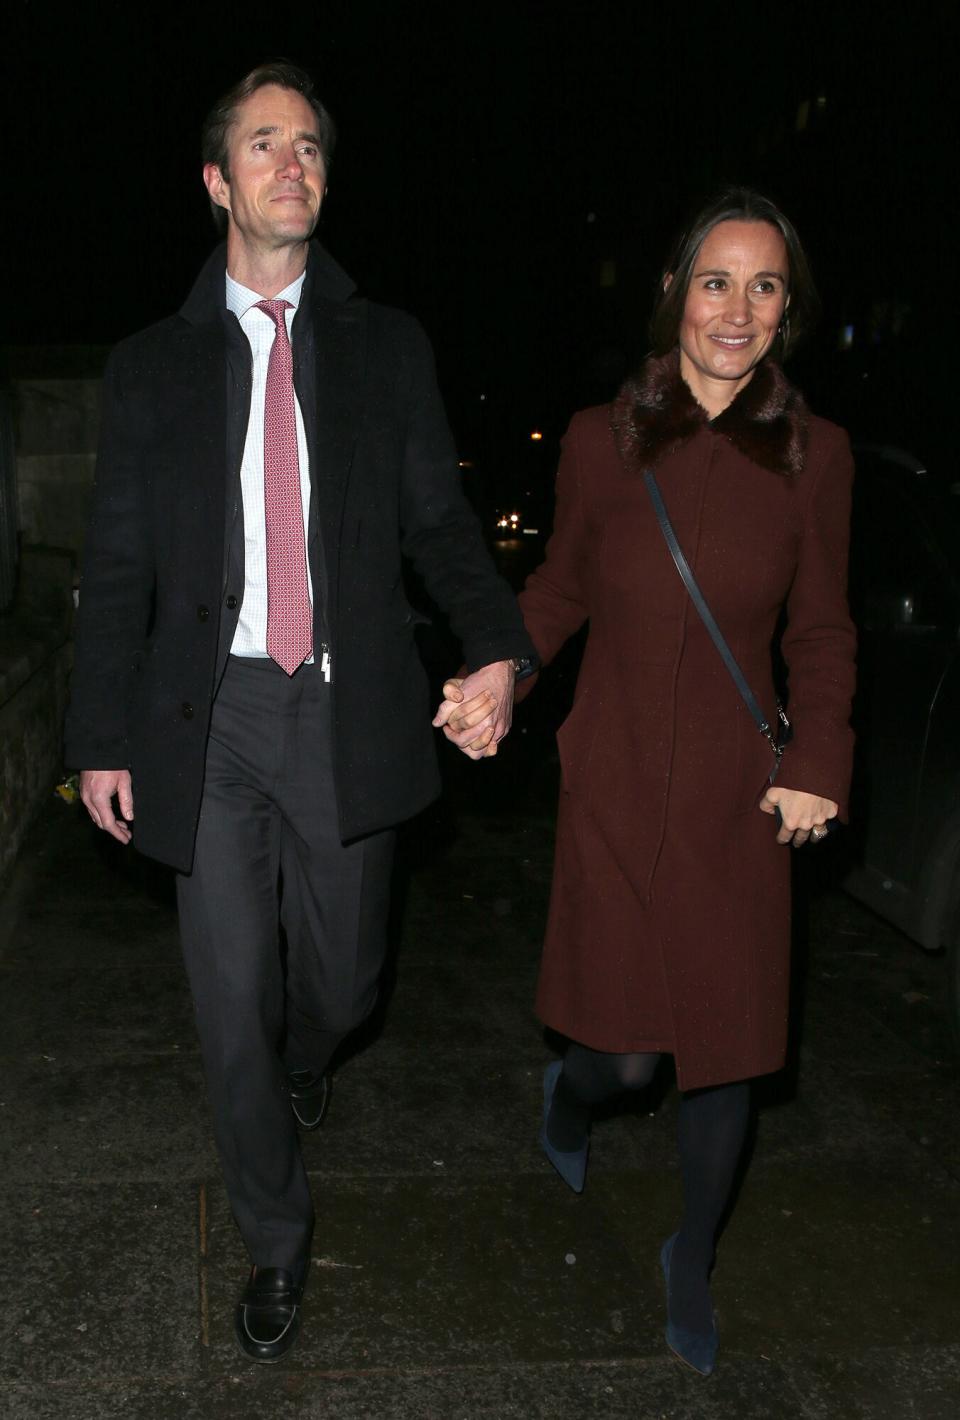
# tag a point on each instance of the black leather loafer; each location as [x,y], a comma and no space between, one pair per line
[309,1097]
[268,1314]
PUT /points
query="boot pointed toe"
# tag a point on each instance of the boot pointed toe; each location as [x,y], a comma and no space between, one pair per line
[570,1164]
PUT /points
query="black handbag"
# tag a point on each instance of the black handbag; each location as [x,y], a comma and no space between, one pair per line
[777,739]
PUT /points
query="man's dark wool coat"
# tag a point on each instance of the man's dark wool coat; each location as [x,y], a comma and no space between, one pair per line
[669,925]
[163,564]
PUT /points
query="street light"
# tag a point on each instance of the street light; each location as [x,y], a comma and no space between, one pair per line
[536,436]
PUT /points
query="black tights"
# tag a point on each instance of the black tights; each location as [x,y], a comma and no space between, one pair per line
[587,1078]
[711,1130]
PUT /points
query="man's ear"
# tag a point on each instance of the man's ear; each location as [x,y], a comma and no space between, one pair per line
[216,185]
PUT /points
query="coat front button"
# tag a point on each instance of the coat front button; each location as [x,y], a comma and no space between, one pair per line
[187,710]
[203,613]
[231,602]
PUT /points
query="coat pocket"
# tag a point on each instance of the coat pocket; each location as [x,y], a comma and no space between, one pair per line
[575,740]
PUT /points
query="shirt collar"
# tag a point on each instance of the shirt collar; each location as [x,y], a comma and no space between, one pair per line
[241,298]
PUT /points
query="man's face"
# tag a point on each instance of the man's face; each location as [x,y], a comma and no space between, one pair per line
[277,177]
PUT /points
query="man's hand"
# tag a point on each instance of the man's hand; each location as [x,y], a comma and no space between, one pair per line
[97,788]
[477,710]
[802,815]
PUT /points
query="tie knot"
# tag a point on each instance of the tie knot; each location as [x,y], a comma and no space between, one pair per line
[275,310]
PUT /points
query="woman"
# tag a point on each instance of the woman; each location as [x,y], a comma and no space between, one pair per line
[669,919]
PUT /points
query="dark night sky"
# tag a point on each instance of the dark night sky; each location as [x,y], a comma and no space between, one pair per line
[476,140]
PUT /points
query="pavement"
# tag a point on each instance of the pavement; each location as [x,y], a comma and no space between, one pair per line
[454,1276]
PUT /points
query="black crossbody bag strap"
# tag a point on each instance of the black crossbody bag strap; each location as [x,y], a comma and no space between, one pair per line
[707,617]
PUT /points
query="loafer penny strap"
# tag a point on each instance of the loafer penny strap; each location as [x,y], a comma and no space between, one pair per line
[272,1287]
[304,1086]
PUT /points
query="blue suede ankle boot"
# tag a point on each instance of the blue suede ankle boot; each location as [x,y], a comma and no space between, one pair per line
[697,1349]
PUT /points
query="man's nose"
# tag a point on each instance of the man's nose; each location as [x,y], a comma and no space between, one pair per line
[290,165]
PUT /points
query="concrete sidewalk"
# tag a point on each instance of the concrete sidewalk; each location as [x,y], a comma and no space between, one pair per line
[454,1276]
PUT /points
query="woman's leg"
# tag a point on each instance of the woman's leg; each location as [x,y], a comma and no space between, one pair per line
[587,1078]
[712,1128]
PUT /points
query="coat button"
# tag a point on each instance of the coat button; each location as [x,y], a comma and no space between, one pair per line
[203,613]
[231,602]
[187,710]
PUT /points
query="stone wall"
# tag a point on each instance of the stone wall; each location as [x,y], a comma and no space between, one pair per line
[32,703]
[57,423]
[35,658]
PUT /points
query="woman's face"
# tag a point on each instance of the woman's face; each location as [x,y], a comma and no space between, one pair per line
[736,297]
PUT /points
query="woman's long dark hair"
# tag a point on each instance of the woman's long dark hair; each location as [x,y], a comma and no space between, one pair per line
[735,204]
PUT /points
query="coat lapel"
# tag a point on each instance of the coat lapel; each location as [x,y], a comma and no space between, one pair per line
[197,442]
[341,350]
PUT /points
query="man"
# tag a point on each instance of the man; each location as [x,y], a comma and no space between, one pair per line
[245,664]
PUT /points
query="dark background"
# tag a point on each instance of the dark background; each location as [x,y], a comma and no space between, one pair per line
[513,174]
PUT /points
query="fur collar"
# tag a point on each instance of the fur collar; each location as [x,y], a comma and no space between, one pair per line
[655,413]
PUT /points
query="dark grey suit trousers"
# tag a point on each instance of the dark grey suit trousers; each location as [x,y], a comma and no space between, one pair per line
[268,851]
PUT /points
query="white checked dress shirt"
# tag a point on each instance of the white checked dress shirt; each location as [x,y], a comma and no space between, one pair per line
[251,634]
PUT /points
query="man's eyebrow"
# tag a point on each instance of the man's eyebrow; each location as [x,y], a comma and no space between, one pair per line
[268,128]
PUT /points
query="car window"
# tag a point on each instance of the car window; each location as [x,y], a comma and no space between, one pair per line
[901,576]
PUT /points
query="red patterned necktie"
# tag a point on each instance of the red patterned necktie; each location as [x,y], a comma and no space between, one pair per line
[289,614]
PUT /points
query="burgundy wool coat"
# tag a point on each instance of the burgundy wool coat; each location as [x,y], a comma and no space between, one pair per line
[669,923]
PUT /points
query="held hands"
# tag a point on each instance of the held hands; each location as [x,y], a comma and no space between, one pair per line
[97,788]
[477,710]
[803,816]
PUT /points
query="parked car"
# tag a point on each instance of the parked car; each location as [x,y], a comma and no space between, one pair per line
[905,596]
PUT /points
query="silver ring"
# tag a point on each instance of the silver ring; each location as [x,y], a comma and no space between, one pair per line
[817,833]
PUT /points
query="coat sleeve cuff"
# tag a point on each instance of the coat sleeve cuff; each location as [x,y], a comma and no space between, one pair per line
[517,645]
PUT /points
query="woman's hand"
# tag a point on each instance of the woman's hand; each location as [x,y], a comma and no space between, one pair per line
[476,711]
[457,716]
[803,815]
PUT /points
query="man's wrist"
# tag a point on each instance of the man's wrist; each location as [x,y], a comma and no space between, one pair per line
[523,666]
